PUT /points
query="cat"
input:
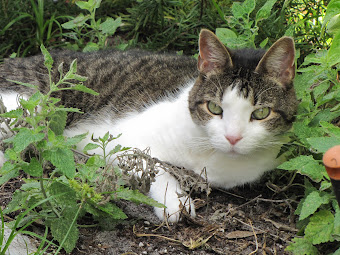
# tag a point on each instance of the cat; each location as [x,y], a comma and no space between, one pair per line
[227,111]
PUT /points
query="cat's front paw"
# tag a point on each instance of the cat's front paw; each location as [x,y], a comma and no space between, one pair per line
[174,208]
[166,190]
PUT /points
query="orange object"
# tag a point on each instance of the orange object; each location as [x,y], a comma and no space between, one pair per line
[331,160]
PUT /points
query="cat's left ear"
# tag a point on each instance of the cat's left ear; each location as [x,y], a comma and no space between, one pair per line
[214,56]
[279,61]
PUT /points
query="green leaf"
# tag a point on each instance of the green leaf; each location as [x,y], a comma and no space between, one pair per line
[18,199]
[64,195]
[62,158]
[24,138]
[324,115]
[334,24]
[334,51]
[136,197]
[75,139]
[312,202]
[79,21]
[225,34]
[305,165]
[320,227]
[90,146]
[13,114]
[330,128]
[85,89]
[60,227]
[336,229]
[265,10]
[237,10]
[333,8]
[91,46]
[302,246]
[248,6]
[34,168]
[47,56]
[84,5]
[114,211]
[57,122]
[322,144]
[110,25]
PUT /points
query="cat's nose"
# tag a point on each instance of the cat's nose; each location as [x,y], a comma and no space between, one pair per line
[233,139]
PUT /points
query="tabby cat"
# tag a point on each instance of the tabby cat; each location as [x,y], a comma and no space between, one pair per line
[226,111]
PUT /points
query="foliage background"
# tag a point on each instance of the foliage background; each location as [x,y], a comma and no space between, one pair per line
[164,25]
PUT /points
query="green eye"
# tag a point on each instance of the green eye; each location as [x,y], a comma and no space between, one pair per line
[261,113]
[214,108]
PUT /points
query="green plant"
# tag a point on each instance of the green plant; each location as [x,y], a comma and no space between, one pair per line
[314,132]
[46,30]
[243,30]
[91,34]
[61,195]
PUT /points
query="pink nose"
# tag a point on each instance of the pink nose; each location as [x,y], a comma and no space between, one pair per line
[233,139]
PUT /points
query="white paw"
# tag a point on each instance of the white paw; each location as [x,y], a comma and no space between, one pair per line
[2,159]
[174,208]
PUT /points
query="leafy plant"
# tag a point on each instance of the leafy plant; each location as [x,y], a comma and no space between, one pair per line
[91,34]
[243,30]
[61,195]
[314,132]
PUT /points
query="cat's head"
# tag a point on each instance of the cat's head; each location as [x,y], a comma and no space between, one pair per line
[243,99]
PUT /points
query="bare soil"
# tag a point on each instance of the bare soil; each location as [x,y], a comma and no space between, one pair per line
[253,219]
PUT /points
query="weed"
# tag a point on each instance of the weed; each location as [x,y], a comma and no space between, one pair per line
[59,197]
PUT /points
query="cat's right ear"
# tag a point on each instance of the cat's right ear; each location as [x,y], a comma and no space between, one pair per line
[213,56]
[279,62]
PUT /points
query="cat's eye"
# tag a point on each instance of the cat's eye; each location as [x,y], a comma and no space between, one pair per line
[261,113]
[214,108]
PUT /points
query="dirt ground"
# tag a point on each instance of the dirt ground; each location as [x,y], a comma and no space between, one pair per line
[253,219]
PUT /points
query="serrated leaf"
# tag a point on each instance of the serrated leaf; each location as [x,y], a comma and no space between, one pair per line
[84,5]
[312,202]
[225,35]
[90,146]
[336,229]
[325,115]
[91,46]
[57,122]
[78,21]
[136,197]
[325,185]
[85,89]
[13,114]
[305,165]
[237,10]
[265,10]
[322,144]
[109,26]
[63,194]
[302,246]
[34,168]
[47,57]
[248,6]
[18,199]
[75,139]
[24,138]
[59,228]
[330,128]
[63,159]
[114,211]
[320,227]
